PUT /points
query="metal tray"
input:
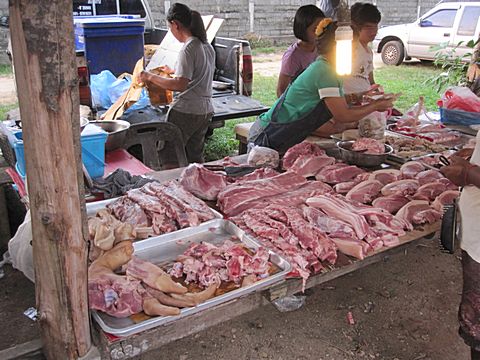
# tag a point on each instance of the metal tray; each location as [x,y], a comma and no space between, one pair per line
[164,249]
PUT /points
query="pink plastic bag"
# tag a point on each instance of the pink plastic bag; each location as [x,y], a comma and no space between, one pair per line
[461,98]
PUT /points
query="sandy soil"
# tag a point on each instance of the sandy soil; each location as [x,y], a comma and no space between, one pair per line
[8,93]
[404,309]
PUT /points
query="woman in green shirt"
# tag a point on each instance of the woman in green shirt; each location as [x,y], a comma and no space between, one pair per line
[313,99]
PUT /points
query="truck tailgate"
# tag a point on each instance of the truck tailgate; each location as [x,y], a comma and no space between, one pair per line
[236,106]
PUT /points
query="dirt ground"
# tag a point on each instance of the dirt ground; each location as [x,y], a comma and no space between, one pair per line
[404,309]
[8,93]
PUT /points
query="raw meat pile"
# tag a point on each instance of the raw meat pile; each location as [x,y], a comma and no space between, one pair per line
[153,209]
[436,133]
[144,287]
[410,147]
[263,156]
[345,208]
[201,182]
[205,264]
[310,235]
[206,184]
[369,146]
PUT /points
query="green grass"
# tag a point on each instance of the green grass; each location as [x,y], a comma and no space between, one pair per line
[223,143]
[409,79]
[6,108]
[5,70]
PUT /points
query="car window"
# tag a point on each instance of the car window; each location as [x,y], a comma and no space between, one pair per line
[108,7]
[441,18]
[132,7]
[469,21]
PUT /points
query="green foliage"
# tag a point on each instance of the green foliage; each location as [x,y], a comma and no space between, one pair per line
[453,66]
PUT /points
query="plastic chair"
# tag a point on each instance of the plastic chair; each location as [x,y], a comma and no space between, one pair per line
[148,135]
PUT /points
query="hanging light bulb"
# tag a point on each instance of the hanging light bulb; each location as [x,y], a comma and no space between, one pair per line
[344,37]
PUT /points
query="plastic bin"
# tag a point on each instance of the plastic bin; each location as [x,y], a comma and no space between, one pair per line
[110,43]
[93,154]
[80,40]
[459,117]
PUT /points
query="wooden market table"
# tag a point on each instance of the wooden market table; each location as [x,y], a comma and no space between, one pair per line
[123,348]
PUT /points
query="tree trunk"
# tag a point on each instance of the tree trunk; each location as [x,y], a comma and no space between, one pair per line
[47,84]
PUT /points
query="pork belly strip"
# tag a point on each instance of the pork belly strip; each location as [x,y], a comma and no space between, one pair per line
[236,198]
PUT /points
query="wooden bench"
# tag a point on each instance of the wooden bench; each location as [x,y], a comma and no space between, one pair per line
[241,134]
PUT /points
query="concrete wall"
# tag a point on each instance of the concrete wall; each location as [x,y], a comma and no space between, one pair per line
[274,18]
[267,18]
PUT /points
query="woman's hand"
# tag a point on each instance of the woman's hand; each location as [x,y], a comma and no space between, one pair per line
[457,171]
[143,78]
[383,104]
[374,90]
[166,69]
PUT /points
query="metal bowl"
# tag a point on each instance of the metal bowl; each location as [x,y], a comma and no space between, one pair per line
[117,132]
[359,158]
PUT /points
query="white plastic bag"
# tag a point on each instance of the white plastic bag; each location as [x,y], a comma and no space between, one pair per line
[260,156]
[460,98]
[20,249]
[373,125]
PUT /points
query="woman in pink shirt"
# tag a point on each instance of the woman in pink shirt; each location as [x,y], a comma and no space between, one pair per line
[303,52]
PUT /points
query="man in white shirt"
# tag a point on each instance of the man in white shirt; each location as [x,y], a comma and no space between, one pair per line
[467,174]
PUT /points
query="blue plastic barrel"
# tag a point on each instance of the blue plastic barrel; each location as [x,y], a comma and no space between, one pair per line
[110,43]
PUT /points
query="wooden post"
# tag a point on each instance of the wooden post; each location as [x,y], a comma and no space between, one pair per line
[47,85]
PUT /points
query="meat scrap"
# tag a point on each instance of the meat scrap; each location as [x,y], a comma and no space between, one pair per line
[391,203]
[303,148]
[445,198]
[418,212]
[411,168]
[369,146]
[201,182]
[365,191]
[401,187]
[338,173]
[145,287]
[308,165]
[236,198]
[205,264]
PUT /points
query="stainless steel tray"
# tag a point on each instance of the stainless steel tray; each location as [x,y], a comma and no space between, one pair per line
[164,249]
[93,207]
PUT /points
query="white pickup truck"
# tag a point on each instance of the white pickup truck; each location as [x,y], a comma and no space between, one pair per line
[447,23]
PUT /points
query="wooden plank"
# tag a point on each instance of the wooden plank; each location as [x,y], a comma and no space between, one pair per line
[28,350]
[47,86]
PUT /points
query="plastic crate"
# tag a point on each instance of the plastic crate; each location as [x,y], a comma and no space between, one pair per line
[459,117]
[93,154]
[110,43]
